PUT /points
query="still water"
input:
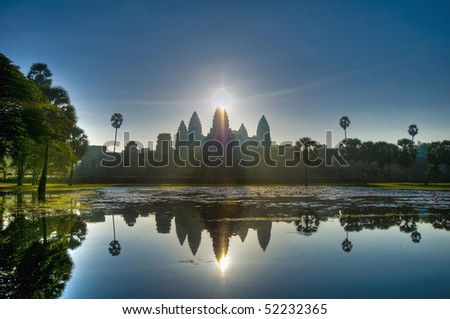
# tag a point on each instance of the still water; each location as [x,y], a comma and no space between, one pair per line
[227,242]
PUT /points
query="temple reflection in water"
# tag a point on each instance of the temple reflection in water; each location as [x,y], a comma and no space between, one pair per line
[222,222]
[189,226]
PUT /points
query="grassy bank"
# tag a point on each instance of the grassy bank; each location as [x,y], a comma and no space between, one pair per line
[51,187]
[55,187]
[429,186]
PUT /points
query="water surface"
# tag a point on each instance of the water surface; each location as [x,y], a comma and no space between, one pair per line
[228,242]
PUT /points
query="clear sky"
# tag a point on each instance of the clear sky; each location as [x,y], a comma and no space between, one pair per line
[302,64]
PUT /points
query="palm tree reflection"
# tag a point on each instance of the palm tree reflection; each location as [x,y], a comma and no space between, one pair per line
[307,224]
[409,225]
[114,246]
[416,237]
[347,244]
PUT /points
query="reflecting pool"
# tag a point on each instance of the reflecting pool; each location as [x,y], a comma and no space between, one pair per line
[227,242]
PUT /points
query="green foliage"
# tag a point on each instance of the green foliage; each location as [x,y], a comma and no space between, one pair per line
[116,120]
[40,75]
[344,122]
[20,106]
[413,130]
[78,142]
[366,152]
[385,153]
[434,171]
[434,154]
[351,149]
[407,154]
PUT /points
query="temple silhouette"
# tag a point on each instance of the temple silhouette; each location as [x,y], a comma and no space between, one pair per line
[222,155]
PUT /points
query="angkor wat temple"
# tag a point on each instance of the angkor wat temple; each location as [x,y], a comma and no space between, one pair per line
[221,156]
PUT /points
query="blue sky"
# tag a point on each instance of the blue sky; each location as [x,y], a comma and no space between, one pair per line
[303,64]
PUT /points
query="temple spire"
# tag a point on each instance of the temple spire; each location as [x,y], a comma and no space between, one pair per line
[195,126]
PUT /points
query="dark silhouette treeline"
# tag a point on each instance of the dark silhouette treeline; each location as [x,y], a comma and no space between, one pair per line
[225,156]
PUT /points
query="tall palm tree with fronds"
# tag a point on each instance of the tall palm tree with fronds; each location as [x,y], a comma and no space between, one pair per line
[40,74]
[116,122]
[344,123]
[413,130]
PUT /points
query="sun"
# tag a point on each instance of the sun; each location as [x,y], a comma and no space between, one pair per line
[222,99]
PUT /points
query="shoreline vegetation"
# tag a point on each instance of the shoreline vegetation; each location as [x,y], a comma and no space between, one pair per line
[63,187]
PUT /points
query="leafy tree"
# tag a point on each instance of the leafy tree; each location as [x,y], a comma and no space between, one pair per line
[34,161]
[384,154]
[116,122]
[21,113]
[58,117]
[60,159]
[43,271]
[413,130]
[434,153]
[445,155]
[40,74]
[434,156]
[79,144]
[56,128]
[407,153]
[367,152]
[344,122]
[4,167]
[351,149]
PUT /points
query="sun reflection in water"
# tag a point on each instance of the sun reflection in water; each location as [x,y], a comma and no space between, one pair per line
[224,262]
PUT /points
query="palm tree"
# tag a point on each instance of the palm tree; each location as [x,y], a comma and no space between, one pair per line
[40,74]
[116,122]
[344,123]
[413,130]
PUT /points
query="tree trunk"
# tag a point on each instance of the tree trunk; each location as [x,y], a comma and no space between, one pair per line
[20,173]
[43,181]
[71,174]
[115,139]
[35,175]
